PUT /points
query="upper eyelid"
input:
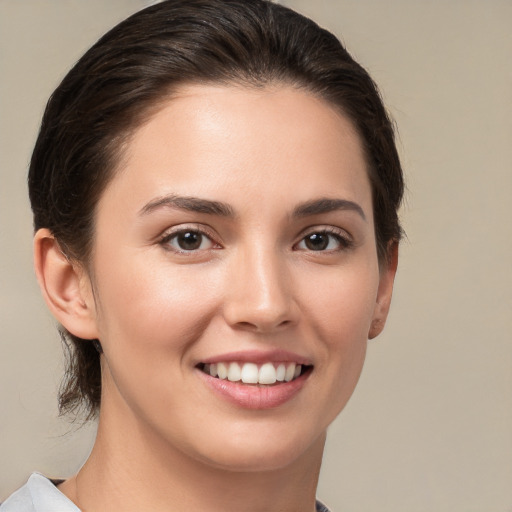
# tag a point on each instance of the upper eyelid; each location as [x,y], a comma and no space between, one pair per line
[169,233]
[180,228]
[334,230]
[344,238]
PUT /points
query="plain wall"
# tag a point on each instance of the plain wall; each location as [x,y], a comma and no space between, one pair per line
[430,425]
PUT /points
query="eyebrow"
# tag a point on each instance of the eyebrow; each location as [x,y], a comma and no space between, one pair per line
[191,204]
[326,205]
[209,207]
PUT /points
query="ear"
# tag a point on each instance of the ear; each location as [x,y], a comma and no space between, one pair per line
[385,291]
[65,286]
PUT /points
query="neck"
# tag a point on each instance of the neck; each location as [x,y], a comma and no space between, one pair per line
[130,468]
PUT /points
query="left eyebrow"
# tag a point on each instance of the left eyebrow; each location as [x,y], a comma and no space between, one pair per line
[326,205]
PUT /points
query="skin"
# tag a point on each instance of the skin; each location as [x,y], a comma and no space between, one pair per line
[254,284]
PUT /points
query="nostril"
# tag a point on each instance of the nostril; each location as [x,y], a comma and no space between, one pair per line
[262,326]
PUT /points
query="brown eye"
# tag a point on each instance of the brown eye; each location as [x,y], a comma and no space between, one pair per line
[323,241]
[317,241]
[189,240]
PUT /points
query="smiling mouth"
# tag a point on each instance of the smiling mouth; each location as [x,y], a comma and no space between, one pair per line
[266,374]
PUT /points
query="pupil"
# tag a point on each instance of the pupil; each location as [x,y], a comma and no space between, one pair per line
[317,242]
[189,241]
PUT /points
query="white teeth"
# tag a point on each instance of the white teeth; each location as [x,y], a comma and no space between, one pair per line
[290,372]
[234,372]
[250,373]
[280,372]
[267,374]
[222,370]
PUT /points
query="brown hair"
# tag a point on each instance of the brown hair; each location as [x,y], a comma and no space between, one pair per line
[131,69]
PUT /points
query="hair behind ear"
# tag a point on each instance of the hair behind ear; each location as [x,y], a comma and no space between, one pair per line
[80,389]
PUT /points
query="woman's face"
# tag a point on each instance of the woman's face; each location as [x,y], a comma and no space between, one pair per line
[236,238]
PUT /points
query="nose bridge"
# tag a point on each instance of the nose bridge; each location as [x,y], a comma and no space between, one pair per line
[261,294]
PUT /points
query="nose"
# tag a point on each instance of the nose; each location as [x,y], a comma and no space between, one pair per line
[259,293]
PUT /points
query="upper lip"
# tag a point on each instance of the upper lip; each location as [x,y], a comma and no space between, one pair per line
[258,356]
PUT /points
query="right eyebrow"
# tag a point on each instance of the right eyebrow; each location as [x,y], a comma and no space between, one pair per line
[189,203]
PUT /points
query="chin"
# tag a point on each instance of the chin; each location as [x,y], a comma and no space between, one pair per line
[260,453]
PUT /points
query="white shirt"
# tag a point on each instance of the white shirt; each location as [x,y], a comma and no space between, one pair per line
[38,495]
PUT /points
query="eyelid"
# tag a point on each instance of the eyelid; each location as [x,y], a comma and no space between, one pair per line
[169,233]
[344,238]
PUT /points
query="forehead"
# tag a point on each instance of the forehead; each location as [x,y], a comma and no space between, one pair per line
[232,142]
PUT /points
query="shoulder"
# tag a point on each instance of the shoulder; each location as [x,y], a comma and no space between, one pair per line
[38,495]
[320,507]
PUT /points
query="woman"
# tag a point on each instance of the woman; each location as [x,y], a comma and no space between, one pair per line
[215,191]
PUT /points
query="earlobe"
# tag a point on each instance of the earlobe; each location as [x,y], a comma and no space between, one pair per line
[385,291]
[64,286]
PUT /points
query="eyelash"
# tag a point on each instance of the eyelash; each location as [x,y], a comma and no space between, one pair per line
[343,241]
[169,236]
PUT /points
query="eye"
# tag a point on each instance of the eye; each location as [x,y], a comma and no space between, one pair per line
[324,240]
[188,240]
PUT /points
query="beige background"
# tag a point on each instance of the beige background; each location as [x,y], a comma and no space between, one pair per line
[430,425]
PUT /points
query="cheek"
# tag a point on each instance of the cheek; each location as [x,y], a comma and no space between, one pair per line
[141,305]
[344,302]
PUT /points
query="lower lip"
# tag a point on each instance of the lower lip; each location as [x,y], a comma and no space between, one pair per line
[255,397]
